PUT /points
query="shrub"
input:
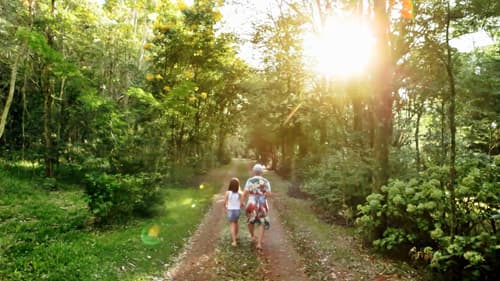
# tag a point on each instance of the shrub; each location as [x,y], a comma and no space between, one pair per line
[339,183]
[118,197]
[415,217]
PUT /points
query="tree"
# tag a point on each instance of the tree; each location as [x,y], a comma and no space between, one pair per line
[383,91]
[274,110]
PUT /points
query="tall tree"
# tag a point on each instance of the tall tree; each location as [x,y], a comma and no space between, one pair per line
[382,80]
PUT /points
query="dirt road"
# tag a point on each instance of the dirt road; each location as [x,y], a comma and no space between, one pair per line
[327,252]
[278,260]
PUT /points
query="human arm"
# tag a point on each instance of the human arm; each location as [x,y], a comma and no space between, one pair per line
[226,198]
[268,193]
[246,193]
[244,197]
[268,188]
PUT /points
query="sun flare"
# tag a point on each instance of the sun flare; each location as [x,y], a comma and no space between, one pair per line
[344,48]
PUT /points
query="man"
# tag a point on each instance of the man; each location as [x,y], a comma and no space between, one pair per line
[257,190]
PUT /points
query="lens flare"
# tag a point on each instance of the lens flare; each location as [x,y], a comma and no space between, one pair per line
[202,186]
[407,9]
[151,235]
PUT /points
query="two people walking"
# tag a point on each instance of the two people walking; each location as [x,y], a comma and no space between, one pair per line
[254,201]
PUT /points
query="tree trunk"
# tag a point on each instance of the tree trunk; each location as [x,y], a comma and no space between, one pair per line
[370,116]
[47,131]
[10,97]
[221,144]
[62,123]
[453,129]
[357,111]
[417,143]
[382,87]
[442,143]
[23,115]
[47,90]
[284,151]
[357,108]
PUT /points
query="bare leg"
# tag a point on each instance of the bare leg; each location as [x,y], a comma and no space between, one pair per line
[233,232]
[250,229]
[260,236]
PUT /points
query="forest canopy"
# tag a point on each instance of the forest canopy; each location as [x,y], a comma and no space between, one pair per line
[367,106]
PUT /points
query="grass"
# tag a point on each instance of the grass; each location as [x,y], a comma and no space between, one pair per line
[45,235]
[238,263]
[331,252]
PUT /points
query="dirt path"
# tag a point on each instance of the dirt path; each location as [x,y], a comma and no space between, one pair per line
[332,252]
[327,252]
[196,262]
[282,262]
[279,259]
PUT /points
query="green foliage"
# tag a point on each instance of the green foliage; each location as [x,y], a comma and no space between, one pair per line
[417,216]
[472,257]
[194,76]
[47,235]
[340,182]
[327,250]
[113,198]
[411,208]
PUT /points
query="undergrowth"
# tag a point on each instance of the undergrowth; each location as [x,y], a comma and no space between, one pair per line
[47,234]
[330,252]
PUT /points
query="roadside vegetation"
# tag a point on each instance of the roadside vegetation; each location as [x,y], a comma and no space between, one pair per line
[331,251]
[49,234]
[111,111]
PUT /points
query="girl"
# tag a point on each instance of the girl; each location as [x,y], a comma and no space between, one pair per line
[232,205]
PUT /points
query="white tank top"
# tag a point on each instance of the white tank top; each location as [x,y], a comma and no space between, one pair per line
[233,201]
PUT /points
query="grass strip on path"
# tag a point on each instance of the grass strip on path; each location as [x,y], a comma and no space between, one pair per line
[238,263]
[242,262]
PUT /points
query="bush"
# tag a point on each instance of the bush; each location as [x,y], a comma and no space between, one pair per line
[118,197]
[410,208]
[415,217]
[339,183]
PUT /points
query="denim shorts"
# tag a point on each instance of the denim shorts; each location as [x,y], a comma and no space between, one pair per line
[233,215]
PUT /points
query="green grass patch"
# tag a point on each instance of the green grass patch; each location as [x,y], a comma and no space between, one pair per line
[46,235]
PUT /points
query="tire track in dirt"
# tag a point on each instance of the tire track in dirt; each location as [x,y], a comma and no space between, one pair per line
[282,262]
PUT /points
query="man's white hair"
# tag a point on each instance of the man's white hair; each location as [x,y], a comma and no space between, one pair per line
[258,169]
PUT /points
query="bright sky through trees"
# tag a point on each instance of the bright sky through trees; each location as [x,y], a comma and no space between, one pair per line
[348,43]
[344,47]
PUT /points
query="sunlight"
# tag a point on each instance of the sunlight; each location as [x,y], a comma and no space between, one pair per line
[186,2]
[27,164]
[343,49]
